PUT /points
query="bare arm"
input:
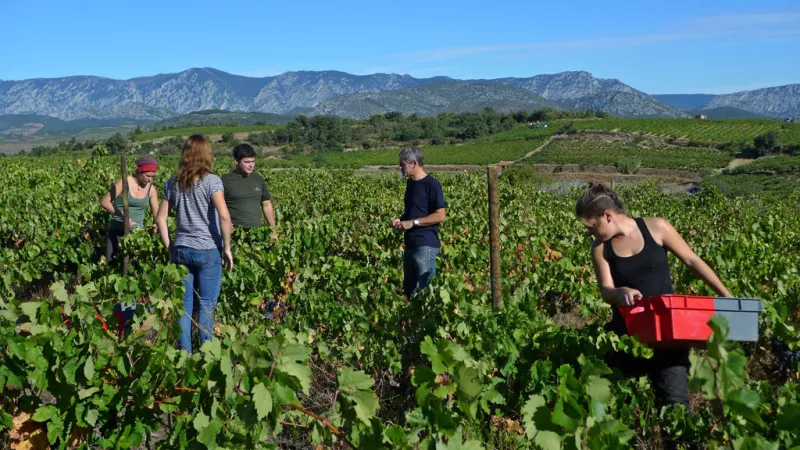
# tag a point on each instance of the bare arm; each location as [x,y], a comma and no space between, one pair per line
[153,200]
[107,201]
[434,218]
[161,222]
[154,205]
[611,294]
[269,212]
[218,199]
[674,242]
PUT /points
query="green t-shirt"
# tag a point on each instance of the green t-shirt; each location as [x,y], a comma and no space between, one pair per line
[244,195]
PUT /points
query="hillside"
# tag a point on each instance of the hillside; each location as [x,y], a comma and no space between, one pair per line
[166,95]
[221,117]
[685,101]
[627,104]
[581,90]
[780,101]
[29,124]
[726,112]
[434,98]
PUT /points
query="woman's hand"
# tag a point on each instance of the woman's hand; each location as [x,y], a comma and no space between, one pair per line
[628,296]
[227,259]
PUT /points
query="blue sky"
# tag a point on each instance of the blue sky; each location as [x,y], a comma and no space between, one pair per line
[658,47]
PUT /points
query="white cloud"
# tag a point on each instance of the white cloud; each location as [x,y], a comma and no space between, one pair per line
[756,25]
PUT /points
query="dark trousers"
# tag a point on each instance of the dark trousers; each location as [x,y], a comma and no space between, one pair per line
[668,371]
[113,239]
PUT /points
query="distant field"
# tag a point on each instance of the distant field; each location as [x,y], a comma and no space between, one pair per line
[707,131]
[593,152]
[747,184]
[206,131]
[476,153]
[773,164]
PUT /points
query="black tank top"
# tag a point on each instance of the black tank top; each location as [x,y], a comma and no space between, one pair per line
[647,271]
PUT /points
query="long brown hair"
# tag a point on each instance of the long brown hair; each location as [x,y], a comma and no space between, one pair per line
[596,200]
[196,161]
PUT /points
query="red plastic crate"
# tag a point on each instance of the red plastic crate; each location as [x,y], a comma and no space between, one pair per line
[682,320]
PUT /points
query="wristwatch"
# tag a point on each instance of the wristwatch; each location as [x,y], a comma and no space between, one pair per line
[416,222]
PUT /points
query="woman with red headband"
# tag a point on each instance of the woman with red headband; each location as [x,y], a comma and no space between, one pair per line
[139,195]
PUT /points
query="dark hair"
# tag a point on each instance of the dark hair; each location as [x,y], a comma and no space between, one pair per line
[596,200]
[410,154]
[243,151]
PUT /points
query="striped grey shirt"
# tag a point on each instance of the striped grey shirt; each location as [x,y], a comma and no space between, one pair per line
[195,215]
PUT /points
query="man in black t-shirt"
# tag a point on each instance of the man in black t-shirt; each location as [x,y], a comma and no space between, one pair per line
[246,192]
[424,211]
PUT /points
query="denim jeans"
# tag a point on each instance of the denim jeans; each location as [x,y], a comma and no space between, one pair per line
[204,278]
[419,267]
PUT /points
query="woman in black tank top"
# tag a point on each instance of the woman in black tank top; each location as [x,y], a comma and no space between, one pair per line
[630,258]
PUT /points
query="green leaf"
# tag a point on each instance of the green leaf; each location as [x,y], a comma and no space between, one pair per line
[226,368]
[533,412]
[6,420]
[351,380]
[45,413]
[292,362]
[209,434]
[285,395]
[30,309]
[548,440]
[55,428]
[83,393]
[445,295]
[59,292]
[789,417]
[568,413]
[365,404]
[598,389]
[468,382]
[213,348]
[91,417]
[745,403]
[754,443]
[69,370]
[396,435]
[263,400]
[88,369]
[200,421]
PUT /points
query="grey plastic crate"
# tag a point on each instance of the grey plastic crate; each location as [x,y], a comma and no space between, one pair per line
[742,315]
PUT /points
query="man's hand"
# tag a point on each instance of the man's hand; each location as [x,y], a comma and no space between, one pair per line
[396,224]
[155,228]
[406,224]
[628,296]
[274,236]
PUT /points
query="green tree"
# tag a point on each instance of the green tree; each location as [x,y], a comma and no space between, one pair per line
[116,144]
[766,143]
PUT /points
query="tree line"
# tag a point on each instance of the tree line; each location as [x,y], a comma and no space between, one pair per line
[331,133]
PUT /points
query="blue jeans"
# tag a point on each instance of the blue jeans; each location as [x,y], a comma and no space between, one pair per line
[419,267]
[204,278]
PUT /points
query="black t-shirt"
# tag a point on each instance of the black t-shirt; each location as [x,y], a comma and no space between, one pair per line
[422,198]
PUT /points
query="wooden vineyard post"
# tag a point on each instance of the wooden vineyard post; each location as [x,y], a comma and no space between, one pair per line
[494,237]
[126,226]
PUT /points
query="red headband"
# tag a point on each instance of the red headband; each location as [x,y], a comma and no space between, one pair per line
[147,168]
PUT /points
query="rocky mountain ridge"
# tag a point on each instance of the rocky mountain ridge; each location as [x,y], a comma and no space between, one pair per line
[166,95]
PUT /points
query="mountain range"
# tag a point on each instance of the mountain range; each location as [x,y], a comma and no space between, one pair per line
[331,92]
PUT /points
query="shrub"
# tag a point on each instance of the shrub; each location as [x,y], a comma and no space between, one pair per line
[629,165]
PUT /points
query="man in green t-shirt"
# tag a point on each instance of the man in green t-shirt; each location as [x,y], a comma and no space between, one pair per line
[246,192]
